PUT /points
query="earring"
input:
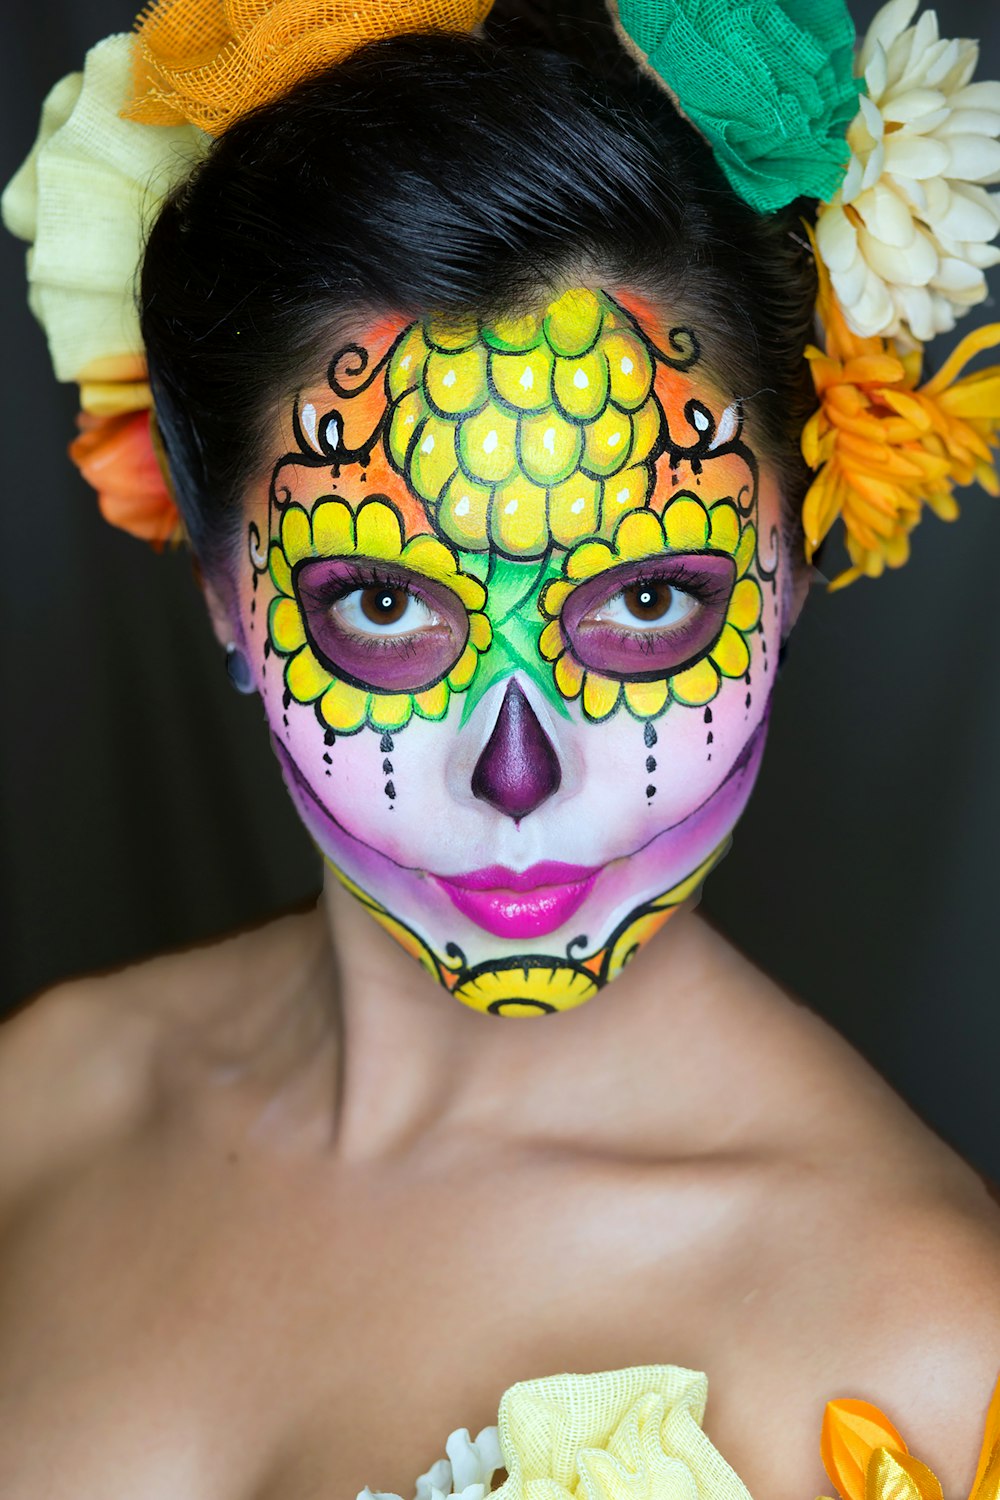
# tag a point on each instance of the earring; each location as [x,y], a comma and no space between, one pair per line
[238,669]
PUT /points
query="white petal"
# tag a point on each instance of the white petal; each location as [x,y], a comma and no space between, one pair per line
[937,192]
[971,122]
[910,190]
[957,277]
[940,62]
[917,156]
[885,28]
[912,266]
[974,157]
[851,185]
[915,304]
[851,283]
[876,72]
[983,256]
[837,238]
[968,217]
[875,166]
[872,116]
[985,95]
[923,48]
[873,313]
[961,74]
[944,314]
[886,215]
[904,105]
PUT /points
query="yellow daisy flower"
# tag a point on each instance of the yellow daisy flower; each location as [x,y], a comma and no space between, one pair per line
[526,987]
[686,526]
[375,531]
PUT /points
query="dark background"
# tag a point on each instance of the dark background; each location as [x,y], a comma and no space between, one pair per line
[140,807]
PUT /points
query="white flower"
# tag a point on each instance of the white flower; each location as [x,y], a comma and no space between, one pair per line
[466,1474]
[908,235]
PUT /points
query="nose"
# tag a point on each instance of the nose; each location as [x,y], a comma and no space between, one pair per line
[518,768]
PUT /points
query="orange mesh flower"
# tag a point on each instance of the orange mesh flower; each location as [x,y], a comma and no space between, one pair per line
[885,446]
[211,61]
[867,1459]
[116,455]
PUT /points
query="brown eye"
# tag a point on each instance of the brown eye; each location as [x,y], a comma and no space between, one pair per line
[648,601]
[383,606]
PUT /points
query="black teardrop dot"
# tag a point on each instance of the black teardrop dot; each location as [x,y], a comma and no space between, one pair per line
[286,698]
[651,790]
[650,765]
[387,767]
[708,716]
[385,744]
[649,735]
[328,737]
[747,678]
[390,791]
[267,648]
[711,738]
[749,699]
[328,759]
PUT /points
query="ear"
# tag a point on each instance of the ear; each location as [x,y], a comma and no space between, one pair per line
[225,625]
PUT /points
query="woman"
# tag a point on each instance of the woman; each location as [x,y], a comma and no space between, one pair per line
[486,440]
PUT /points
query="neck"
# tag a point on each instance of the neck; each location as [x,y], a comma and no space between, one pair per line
[415,1064]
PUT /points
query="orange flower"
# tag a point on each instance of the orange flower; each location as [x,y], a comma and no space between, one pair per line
[116,455]
[867,1459]
[886,446]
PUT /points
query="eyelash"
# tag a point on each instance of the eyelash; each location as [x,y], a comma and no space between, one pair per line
[705,590]
[356,578]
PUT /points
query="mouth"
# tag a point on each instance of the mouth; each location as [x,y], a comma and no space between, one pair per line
[520,903]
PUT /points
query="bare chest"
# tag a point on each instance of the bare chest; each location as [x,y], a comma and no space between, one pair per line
[248,1331]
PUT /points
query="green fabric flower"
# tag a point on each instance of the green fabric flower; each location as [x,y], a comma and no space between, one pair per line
[769,83]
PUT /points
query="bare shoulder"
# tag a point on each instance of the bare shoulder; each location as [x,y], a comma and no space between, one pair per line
[883,1246]
[80,1065]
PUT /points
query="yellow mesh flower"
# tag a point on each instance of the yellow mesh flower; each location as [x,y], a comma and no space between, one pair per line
[686,526]
[374,531]
[886,446]
[212,61]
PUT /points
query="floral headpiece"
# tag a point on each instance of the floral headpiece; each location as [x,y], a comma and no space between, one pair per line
[896,143]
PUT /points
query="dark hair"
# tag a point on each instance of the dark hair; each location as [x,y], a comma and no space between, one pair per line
[448,174]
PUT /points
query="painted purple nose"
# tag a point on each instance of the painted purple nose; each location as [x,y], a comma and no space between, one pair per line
[518,768]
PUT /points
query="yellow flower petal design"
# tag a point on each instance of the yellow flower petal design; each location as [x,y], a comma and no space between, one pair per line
[624,492]
[587,559]
[480,632]
[639,534]
[433,459]
[526,989]
[645,432]
[333,529]
[518,521]
[305,678]
[730,653]
[685,524]
[405,416]
[344,707]
[724,527]
[456,382]
[746,549]
[607,443]
[296,534]
[281,573]
[390,710]
[569,676]
[647,699]
[600,696]
[407,364]
[433,704]
[286,627]
[379,532]
[427,555]
[464,670]
[550,642]
[463,511]
[554,596]
[574,509]
[745,605]
[697,685]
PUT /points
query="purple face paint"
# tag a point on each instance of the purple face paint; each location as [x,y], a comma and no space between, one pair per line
[518,769]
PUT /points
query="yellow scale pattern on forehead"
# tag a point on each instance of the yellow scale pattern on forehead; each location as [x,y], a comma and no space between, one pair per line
[527,431]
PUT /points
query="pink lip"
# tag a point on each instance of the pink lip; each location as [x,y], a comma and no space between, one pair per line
[520,903]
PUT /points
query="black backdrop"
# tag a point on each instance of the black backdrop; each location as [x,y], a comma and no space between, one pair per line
[140,808]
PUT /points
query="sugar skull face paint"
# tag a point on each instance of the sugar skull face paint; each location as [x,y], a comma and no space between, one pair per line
[514,622]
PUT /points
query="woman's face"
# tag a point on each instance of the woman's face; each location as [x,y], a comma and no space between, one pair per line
[512,598]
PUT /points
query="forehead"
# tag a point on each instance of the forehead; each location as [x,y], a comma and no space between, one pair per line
[521,435]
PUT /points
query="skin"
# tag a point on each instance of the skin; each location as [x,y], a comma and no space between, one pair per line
[302,1214]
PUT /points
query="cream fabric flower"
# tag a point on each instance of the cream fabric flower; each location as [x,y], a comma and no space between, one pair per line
[466,1473]
[630,1434]
[908,235]
[83,200]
